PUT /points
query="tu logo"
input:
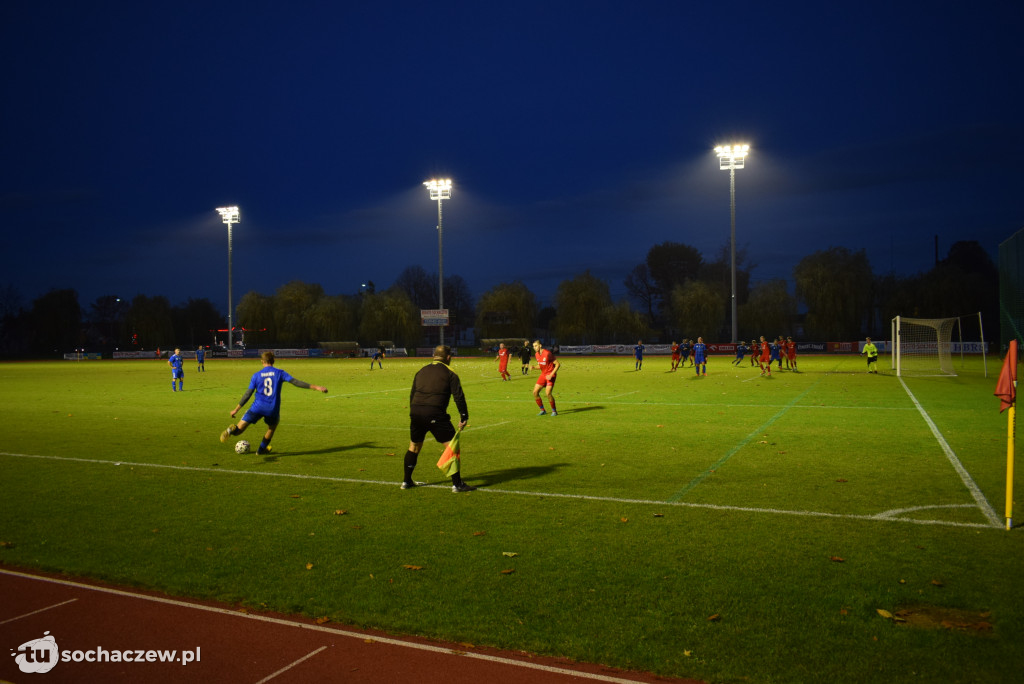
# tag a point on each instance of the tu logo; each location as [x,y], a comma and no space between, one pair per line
[37,656]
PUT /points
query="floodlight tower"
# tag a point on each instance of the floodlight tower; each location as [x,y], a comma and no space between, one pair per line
[229,215]
[732,157]
[440,190]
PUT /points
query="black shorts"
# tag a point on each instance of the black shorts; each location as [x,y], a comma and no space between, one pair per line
[439,425]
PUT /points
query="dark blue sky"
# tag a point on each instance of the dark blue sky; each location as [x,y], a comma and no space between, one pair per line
[578,135]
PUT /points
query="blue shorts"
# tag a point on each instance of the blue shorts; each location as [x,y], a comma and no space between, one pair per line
[177,374]
[252,416]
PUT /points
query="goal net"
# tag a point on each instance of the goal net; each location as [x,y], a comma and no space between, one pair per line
[929,346]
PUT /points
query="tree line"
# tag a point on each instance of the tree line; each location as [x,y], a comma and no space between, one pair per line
[673,293]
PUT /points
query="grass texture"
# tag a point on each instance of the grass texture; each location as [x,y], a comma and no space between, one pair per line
[826,525]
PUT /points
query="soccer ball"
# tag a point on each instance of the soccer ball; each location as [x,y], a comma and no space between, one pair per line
[241,446]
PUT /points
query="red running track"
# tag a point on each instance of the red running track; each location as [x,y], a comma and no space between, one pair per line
[221,644]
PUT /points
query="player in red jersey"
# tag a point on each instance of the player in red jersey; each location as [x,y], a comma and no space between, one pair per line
[791,352]
[676,356]
[503,362]
[548,366]
[765,361]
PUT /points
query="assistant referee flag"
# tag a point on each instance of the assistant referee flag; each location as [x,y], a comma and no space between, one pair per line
[449,461]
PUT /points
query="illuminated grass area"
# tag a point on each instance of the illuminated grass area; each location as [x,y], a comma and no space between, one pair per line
[725,528]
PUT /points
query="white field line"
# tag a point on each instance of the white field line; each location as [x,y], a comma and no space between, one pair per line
[965,477]
[327,630]
[400,429]
[359,394]
[884,515]
[616,396]
[590,402]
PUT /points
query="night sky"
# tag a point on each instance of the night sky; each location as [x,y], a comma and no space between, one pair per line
[577,134]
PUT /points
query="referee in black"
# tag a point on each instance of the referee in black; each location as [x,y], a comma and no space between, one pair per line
[432,388]
[525,354]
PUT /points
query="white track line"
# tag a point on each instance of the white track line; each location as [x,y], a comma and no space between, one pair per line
[41,610]
[326,630]
[291,665]
[982,502]
[885,515]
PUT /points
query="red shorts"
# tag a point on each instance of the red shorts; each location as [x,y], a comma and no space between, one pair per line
[545,381]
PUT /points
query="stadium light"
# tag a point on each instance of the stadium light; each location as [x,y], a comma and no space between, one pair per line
[440,190]
[229,215]
[732,157]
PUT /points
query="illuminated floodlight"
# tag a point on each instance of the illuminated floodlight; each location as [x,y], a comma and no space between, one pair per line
[732,156]
[440,189]
[229,215]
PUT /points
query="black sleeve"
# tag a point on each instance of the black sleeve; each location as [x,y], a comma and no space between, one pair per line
[245,397]
[299,383]
[459,397]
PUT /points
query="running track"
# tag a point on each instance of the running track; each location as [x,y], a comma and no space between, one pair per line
[243,647]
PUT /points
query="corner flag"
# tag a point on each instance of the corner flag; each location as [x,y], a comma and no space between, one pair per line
[1006,388]
[449,461]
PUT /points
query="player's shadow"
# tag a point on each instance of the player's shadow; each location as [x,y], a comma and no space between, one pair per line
[273,457]
[581,409]
[493,477]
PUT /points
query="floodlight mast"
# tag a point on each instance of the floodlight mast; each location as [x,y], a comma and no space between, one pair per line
[732,157]
[229,215]
[440,189]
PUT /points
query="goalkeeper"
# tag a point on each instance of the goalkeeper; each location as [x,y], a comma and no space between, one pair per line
[872,353]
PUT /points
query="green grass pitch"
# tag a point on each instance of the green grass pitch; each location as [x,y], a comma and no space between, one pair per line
[726,528]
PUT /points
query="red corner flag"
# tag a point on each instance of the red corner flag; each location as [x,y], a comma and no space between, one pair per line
[1006,388]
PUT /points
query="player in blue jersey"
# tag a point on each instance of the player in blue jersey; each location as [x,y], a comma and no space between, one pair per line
[700,357]
[378,354]
[774,354]
[200,360]
[638,354]
[266,384]
[177,372]
[741,351]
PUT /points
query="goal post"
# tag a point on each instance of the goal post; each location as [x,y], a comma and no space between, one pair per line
[928,346]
